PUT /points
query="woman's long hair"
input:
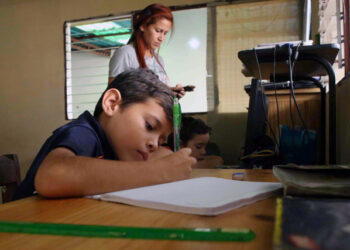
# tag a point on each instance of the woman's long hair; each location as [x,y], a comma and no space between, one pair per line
[147,16]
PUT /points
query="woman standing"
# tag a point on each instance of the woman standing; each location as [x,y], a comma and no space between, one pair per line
[150,26]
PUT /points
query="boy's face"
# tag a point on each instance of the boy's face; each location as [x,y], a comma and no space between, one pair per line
[198,144]
[136,131]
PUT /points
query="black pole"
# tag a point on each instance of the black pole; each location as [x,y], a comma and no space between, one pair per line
[332,102]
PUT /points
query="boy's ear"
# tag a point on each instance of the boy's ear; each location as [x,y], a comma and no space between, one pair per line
[111,101]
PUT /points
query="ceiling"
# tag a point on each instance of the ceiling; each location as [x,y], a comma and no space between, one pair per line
[100,37]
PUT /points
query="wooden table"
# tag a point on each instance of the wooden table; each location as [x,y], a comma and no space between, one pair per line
[259,217]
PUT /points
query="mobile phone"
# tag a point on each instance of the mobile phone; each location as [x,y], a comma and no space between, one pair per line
[189,88]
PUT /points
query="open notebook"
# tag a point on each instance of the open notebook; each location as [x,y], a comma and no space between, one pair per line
[204,195]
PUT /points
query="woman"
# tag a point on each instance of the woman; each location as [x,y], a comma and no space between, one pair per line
[150,26]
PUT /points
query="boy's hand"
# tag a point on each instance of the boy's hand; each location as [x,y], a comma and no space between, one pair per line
[176,166]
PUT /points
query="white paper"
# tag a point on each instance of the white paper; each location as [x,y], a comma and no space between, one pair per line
[204,195]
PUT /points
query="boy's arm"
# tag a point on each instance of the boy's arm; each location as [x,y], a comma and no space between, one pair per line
[64,174]
[209,162]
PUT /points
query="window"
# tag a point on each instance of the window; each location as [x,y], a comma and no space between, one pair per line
[334,28]
[243,26]
[346,21]
[89,44]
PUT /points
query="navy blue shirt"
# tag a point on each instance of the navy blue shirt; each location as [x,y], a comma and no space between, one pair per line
[83,136]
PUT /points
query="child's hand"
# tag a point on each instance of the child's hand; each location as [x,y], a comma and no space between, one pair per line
[176,166]
[209,161]
[160,153]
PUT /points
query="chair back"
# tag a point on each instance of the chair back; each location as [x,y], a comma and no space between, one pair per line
[10,176]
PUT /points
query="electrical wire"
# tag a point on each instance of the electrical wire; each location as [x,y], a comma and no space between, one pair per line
[290,86]
[274,83]
[261,153]
[291,67]
[263,100]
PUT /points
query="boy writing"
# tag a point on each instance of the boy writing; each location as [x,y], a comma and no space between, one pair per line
[112,150]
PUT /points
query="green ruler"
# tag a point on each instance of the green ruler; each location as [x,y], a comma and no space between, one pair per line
[196,234]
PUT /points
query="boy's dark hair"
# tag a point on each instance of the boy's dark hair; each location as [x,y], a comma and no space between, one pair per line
[137,86]
[189,128]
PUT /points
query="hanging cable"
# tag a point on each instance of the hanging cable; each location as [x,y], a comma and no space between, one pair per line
[263,99]
[291,66]
[274,84]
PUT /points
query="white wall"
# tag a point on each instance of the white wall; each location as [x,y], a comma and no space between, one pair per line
[185,56]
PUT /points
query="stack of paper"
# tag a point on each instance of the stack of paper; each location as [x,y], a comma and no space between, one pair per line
[315,180]
[204,196]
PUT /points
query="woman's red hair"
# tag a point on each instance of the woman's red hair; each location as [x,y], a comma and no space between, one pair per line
[147,16]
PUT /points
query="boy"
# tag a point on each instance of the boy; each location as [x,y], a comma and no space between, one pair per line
[195,134]
[111,150]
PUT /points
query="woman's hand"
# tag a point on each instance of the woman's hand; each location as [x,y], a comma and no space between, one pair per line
[178,91]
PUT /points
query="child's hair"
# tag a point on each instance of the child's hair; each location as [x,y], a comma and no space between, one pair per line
[136,86]
[149,15]
[189,128]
